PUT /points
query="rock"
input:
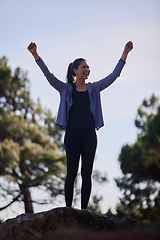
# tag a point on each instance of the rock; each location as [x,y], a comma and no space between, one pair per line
[141,234]
[28,226]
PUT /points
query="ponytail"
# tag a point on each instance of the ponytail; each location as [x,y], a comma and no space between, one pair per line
[70,72]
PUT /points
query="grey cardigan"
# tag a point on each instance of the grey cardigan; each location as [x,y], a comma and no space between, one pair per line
[94,89]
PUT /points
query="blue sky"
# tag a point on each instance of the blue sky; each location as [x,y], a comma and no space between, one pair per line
[96,30]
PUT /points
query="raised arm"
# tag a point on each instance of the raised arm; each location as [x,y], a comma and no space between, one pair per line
[108,80]
[56,83]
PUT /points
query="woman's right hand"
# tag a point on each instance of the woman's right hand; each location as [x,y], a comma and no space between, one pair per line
[33,49]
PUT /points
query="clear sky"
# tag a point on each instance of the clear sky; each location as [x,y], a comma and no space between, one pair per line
[96,30]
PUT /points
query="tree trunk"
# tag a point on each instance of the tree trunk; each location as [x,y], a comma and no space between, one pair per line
[27,199]
[25,191]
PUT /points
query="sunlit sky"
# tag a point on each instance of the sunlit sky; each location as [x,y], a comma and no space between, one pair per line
[96,30]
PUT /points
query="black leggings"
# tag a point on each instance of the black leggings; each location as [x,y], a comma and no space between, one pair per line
[79,142]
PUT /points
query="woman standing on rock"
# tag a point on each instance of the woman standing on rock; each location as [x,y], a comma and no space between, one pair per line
[80,114]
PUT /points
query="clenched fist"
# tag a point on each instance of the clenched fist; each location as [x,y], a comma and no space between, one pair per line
[33,49]
[128,46]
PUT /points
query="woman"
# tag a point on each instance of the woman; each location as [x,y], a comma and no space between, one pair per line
[80,114]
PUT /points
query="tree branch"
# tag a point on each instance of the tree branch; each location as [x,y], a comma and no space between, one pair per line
[14,200]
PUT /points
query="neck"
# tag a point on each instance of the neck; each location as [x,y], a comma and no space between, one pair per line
[80,85]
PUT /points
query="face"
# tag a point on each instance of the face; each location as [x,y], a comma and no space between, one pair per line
[83,71]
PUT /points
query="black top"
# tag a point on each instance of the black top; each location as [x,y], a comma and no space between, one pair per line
[80,115]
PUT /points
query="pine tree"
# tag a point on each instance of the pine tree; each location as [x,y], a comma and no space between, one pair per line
[31,150]
[140,164]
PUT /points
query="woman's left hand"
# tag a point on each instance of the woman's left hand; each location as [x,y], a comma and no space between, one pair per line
[128,46]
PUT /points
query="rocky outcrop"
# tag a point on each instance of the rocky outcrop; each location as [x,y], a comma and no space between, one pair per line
[31,226]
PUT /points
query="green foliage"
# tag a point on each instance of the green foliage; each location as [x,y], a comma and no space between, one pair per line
[94,206]
[140,164]
[31,152]
[98,178]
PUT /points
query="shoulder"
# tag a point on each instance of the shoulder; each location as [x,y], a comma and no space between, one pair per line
[92,85]
[68,88]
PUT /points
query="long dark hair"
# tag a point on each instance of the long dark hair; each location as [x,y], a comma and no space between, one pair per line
[71,73]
